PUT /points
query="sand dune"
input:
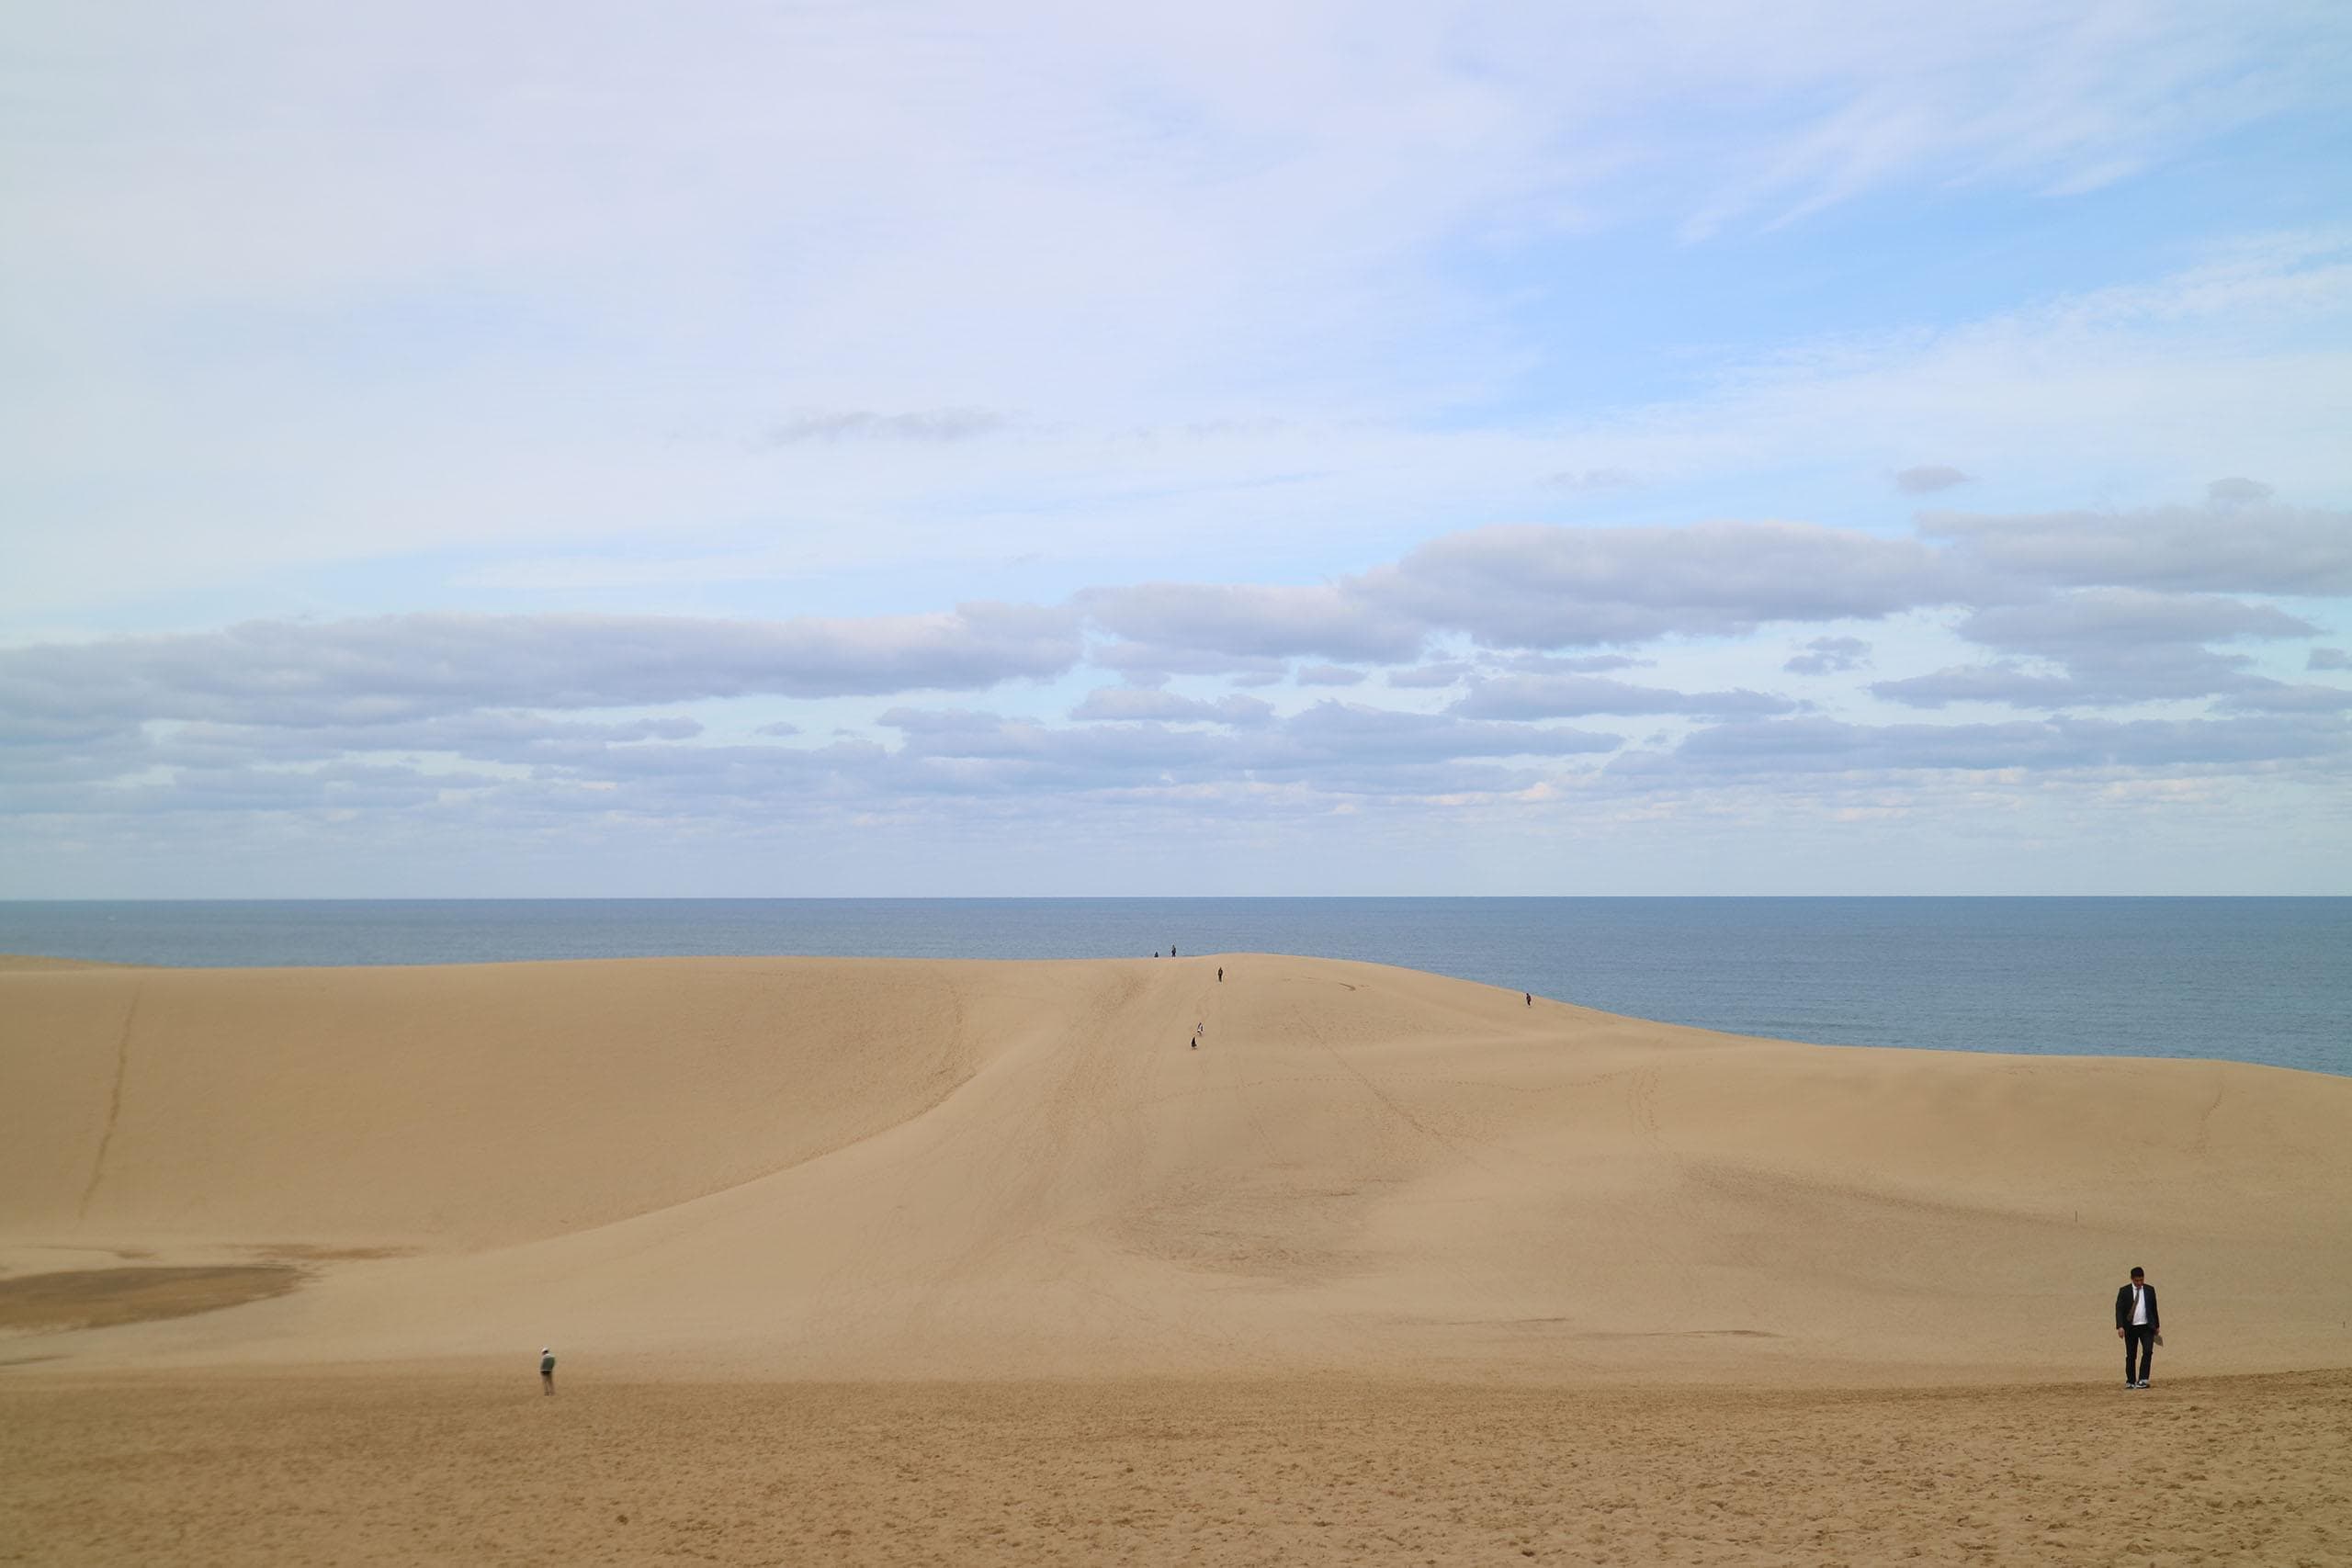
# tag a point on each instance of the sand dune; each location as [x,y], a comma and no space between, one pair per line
[813,1169]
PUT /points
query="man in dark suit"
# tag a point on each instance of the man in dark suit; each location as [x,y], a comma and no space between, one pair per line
[2138,1326]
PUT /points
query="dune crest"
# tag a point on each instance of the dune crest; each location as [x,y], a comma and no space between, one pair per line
[859,1169]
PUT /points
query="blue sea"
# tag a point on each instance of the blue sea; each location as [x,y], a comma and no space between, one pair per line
[2242,979]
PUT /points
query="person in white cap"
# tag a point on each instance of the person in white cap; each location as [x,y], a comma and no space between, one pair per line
[546,1368]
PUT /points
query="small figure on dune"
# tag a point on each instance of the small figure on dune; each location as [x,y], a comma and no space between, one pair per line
[1171,950]
[1220,974]
[546,1368]
[1530,996]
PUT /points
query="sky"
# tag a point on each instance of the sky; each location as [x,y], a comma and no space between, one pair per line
[904,449]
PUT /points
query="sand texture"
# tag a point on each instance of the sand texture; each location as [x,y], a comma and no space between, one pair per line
[426,1467]
[1007,1216]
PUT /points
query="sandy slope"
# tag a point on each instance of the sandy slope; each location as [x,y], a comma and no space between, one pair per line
[838,1169]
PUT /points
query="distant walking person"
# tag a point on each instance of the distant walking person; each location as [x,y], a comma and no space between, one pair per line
[547,1370]
[1220,974]
[2137,1324]
[1530,996]
[1171,950]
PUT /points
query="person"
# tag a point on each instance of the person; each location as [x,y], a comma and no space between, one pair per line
[2137,1324]
[1171,950]
[1220,974]
[546,1368]
[1530,996]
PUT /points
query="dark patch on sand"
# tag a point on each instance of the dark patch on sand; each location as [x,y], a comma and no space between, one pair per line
[101,1298]
[308,1252]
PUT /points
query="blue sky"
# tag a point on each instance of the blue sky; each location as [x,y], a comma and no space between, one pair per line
[871,448]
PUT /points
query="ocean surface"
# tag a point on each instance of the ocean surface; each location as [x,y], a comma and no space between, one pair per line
[2242,979]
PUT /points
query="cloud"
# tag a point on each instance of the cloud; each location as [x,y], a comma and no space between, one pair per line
[1250,622]
[2109,616]
[1928,478]
[1571,696]
[859,424]
[2238,493]
[2233,545]
[1528,587]
[1829,656]
[2278,696]
[1331,728]
[1534,587]
[1131,703]
[1826,745]
[1948,106]
[1151,663]
[1334,746]
[1570,663]
[431,718]
[2115,646]
[399,668]
[1588,481]
[2328,659]
[1445,672]
[2002,682]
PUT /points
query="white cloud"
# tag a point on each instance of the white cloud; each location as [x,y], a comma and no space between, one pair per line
[1532,587]
[1828,656]
[1810,745]
[575,275]
[407,667]
[1136,702]
[1230,343]
[1574,696]
[1250,622]
[1927,478]
[2235,544]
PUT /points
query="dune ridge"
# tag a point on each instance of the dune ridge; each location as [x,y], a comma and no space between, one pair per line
[857,1169]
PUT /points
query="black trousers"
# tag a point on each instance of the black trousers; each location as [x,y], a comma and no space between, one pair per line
[2142,1338]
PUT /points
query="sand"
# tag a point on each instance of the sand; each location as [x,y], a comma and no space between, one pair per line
[430,1467]
[790,1222]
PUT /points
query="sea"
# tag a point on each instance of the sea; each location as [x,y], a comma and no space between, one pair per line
[2264,980]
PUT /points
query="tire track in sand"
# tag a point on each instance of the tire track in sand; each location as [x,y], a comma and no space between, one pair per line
[114,1106]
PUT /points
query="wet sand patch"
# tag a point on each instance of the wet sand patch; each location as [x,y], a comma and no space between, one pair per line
[101,1298]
